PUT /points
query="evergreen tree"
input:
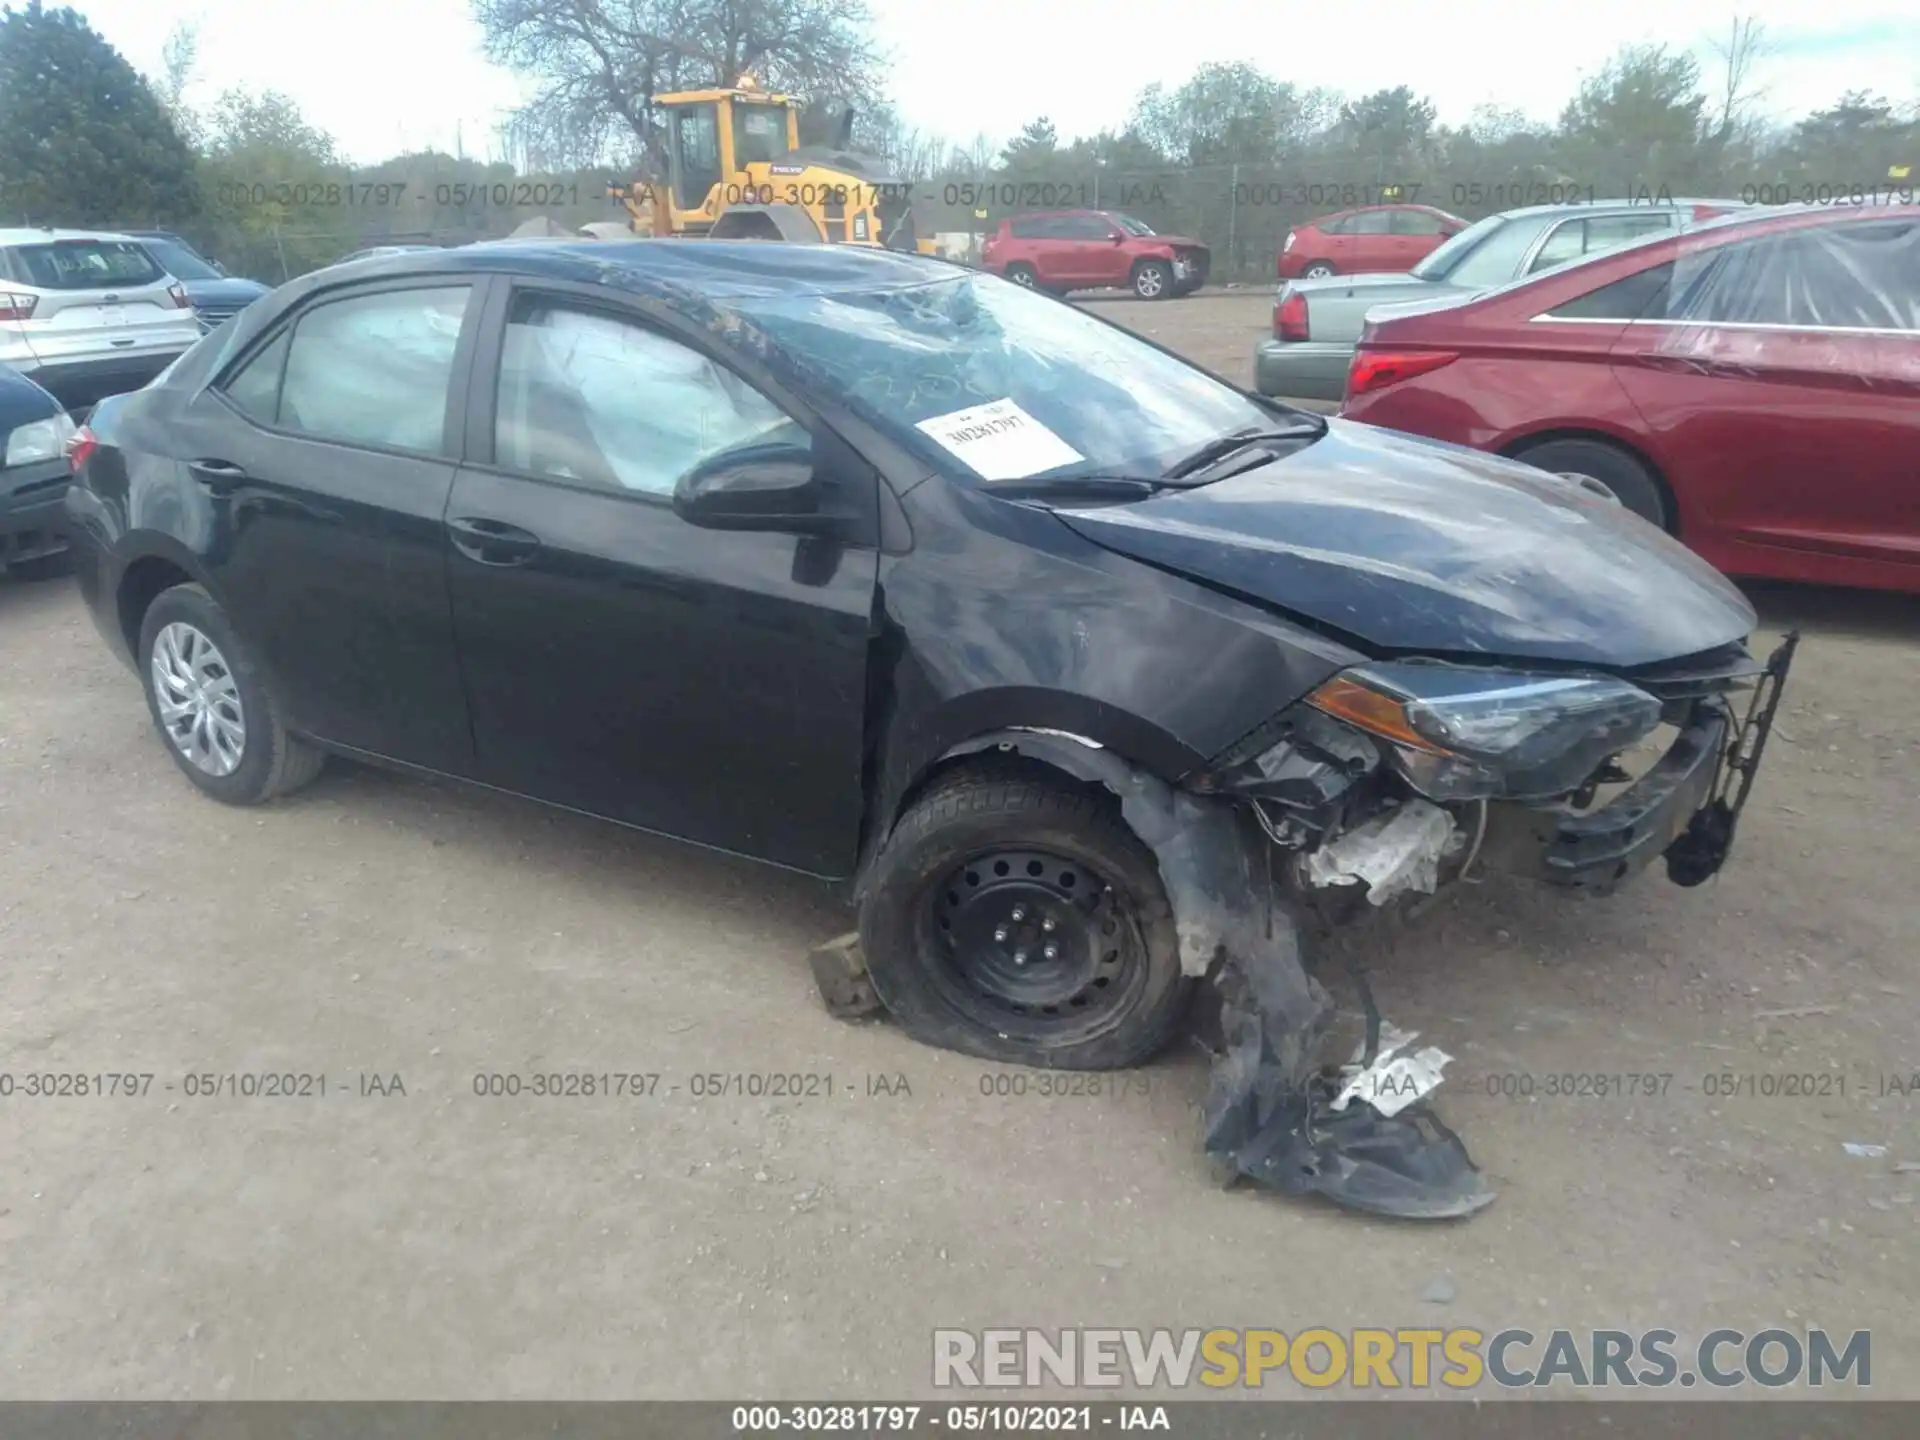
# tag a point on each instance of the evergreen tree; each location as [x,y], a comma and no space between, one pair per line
[83,139]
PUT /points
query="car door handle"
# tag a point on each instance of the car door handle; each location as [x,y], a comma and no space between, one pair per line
[221,477]
[493,542]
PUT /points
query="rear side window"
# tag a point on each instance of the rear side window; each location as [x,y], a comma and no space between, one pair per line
[1640,295]
[84,265]
[1028,229]
[371,370]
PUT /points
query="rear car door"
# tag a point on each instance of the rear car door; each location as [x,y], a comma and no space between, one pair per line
[1370,244]
[709,684]
[1783,374]
[328,452]
[1413,234]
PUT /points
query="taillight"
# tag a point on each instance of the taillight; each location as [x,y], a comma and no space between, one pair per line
[1376,369]
[1287,244]
[82,445]
[16,307]
[1290,317]
[178,295]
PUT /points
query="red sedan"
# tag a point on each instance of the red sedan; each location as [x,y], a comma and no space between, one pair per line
[1372,239]
[1752,385]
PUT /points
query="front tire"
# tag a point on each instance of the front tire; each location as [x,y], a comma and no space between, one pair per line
[1013,915]
[1022,275]
[210,704]
[1153,280]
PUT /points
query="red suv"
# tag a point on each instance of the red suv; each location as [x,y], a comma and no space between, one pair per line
[1753,385]
[1062,250]
[1375,238]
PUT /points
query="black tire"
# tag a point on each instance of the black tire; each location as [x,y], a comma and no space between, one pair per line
[1630,481]
[1319,270]
[43,567]
[271,761]
[1153,280]
[1115,995]
[1023,275]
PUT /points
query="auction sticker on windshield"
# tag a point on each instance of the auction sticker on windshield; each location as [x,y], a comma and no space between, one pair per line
[1000,441]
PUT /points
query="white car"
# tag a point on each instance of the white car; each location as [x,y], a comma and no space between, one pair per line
[86,314]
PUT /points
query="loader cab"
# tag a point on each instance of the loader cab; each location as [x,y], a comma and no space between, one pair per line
[713,135]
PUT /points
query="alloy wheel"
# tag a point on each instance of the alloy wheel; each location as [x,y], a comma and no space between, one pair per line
[198,699]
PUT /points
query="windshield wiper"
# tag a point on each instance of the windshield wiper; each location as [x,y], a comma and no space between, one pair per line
[1214,451]
[1075,487]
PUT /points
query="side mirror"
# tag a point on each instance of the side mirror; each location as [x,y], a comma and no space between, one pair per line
[755,487]
[1118,237]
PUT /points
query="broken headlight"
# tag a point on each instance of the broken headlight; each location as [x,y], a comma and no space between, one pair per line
[1464,733]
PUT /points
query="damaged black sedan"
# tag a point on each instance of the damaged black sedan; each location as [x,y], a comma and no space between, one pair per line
[1094,677]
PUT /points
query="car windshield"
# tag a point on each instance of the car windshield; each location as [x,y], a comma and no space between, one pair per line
[1440,262]
[86,264]
[180,262]
[1133,226]
[1008,383]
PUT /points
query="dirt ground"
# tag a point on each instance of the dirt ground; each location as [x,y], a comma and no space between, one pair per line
[434,1243]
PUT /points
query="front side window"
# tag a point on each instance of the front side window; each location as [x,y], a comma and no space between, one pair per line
[1566,241]
[180,262]
[1414,222]
[596,398]
[1371,222]
[1085,227]
[1133,226]
[370,370]
[1091,399]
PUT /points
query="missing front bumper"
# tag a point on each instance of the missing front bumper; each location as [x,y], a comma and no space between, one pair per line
[1685,808]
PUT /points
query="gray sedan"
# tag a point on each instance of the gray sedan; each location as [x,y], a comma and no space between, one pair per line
[1317,322]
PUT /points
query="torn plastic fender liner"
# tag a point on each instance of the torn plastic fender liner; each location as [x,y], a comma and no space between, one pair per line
[1269,1114]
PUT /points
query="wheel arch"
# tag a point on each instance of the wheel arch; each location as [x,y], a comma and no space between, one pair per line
[1193,842]
[161,565]
[1515,448]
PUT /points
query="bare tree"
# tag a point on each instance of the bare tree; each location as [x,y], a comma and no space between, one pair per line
[1739,53]
[601,61]
[179,57]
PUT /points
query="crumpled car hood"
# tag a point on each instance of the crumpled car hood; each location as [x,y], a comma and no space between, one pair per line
[1413,545]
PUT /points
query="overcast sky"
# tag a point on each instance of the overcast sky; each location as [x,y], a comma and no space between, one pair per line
[391,75]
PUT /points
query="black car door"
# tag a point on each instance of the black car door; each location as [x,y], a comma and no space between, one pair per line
[328,451]
[709,684]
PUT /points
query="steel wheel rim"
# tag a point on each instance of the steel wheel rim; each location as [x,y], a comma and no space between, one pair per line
[1148,283]
[198,700]
[990,910]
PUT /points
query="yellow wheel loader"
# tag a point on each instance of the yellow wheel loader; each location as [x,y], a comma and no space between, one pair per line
[736,170]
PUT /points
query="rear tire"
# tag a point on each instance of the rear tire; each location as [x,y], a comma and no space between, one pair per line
[1023,276]
[1153,280]
[1630,481]
[210,703]
[1318,270]
[998,840]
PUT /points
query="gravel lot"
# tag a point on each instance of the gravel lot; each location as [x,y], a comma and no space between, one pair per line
[439,1244]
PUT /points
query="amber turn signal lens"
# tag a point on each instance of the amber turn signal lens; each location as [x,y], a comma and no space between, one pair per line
[1373,712]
